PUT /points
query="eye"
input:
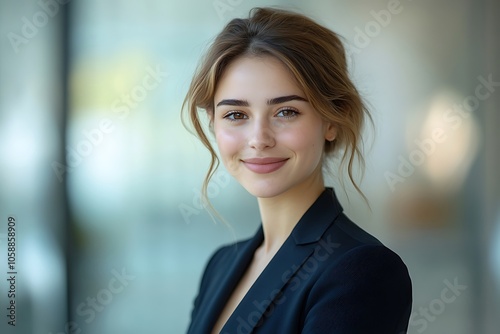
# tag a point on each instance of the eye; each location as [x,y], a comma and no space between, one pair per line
[287,112]
[235,116]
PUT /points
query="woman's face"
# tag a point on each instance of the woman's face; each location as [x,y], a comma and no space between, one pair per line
[269,136]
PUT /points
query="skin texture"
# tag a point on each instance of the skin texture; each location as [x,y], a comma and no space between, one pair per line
[290,130]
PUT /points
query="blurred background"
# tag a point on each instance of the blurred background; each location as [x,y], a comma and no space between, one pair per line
[103,180]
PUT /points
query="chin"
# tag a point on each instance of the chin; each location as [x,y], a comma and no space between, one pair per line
[264,190]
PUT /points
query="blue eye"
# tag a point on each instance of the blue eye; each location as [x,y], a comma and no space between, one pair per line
[287,113]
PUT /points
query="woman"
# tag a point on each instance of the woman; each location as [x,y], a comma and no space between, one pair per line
[279,100]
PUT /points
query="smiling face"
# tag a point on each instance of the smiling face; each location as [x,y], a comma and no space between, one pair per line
[269,136]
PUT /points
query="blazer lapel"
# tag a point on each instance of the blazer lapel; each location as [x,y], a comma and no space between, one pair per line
[295,251]
[243,254]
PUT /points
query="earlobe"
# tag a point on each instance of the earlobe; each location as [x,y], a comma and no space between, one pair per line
[331,132]
[210,117]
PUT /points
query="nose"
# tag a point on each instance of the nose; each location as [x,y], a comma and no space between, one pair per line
[261,136]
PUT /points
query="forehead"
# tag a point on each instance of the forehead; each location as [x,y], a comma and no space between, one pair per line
[256,77]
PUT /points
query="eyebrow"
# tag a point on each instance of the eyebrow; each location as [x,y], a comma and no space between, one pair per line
[275,100]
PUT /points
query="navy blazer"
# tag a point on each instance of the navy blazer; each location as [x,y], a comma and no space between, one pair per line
[329,276]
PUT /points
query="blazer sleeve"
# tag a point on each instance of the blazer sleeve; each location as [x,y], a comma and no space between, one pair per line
[367,290]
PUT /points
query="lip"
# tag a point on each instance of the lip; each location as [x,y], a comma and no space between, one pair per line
[264,165]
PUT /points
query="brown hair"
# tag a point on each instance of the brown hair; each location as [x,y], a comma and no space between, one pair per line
[314,55]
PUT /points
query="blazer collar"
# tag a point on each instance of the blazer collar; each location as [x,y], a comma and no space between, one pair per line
[317,218]
[290,257]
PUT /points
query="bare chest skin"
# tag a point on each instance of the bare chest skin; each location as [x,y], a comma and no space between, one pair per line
[259,262]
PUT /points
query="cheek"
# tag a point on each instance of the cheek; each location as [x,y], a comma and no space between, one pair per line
[229,142]
[305,141]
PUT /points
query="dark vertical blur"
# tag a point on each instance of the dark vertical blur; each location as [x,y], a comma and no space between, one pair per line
[489,235]
[69,240]
[32,132]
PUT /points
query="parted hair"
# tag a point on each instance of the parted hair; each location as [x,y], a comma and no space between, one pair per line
[313,54]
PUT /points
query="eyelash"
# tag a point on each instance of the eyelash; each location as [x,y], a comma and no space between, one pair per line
[295,111]
[232,113]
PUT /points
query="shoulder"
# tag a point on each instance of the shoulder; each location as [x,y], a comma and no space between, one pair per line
[368,265]
[363,279]
[362,259]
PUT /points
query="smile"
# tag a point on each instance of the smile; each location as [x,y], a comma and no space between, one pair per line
[264,165]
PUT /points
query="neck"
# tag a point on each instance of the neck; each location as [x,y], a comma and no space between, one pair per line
[280,214]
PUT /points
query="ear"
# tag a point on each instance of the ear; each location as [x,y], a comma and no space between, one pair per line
[330,132]
[210,116]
